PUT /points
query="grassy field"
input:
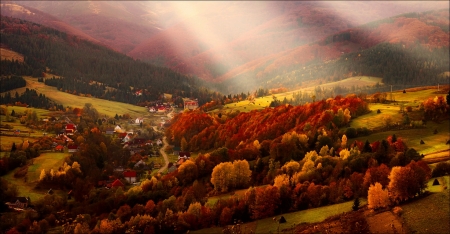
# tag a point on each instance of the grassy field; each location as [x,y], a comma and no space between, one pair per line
[10,55]
[412,137]
[104,107]
[268,225]
[263,102]
[429,214]
[238,193]
[45,161]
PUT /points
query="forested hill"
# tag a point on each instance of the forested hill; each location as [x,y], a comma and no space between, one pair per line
[75,59]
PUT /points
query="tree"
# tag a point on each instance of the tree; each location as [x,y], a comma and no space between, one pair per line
[267,200]
[379,174]
[241,173]
[377,197]
[187,172]
[149,207]
[221,176]
[184,144]
[355,206]
[344,142]
[406,182]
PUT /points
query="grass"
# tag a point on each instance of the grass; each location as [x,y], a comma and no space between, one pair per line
[429,214]
[263,102]
[10,55]
[314,215]
[45,161]
[104,107]
[412,137]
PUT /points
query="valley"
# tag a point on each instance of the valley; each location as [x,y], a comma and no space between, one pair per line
[224,117]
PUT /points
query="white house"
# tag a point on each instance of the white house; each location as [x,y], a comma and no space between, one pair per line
[118,128]
[139,120]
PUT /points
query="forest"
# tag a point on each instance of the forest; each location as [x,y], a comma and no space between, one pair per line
[81,62]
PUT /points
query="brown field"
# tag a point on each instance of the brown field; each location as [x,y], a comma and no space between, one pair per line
[10,55]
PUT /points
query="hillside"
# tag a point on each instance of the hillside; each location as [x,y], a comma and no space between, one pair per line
[118,25]
[81,63]
[281,39]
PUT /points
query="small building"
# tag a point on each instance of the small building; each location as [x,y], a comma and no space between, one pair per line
[117,183]
[130,176]
[118,128]
[139,120]
[184,154]
[59,148]
[190,104]
[152,109]
[73,148]
[109,131]
[19,202]
[70,129]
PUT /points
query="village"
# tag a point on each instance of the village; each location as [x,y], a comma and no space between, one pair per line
[141,138]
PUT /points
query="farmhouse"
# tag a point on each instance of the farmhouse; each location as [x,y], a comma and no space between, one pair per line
[117,183]
[139,120]
[73,148]
[59,148]
[190,104]
[70,129]
[130,176]
[118,128]
[19,202]
[109,131]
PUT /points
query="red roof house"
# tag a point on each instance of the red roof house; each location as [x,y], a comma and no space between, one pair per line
[73,148]
[59,148]
[130,176]
[70,129]
[117,183]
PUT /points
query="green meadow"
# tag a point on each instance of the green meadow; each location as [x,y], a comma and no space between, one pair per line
[45,161]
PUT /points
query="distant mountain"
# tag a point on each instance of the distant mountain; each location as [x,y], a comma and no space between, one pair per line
[30,14]
[121,25]
[89,68]
[280,27]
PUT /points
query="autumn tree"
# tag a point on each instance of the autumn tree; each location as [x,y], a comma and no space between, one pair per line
[267,200]
[407,182]
[187,172]
[377,196]
[241,173]
[221,176]
[379,174]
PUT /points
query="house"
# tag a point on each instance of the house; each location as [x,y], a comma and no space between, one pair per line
[117,183]
[152,109]
[126,139]
[159,142]
[140,163]
[73,148]
[138,93]
[139,120]
[162,109]
[190,104]
[109,131]
[19,202]
[118,128]
[184,154]
[119,169]
[130,176]
[59,148]
[70,129]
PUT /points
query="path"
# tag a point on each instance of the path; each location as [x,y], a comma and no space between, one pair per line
[165,144]
[164,154]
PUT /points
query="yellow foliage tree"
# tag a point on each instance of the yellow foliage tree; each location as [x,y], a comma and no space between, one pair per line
[377,196]
[281,180]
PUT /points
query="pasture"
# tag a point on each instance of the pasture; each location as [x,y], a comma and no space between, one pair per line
[429,214]
[263,102]
[10,55]
[45,161]
[104,107]
[433,142]
[268,225]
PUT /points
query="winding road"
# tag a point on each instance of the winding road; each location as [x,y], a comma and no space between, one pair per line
[164,154]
